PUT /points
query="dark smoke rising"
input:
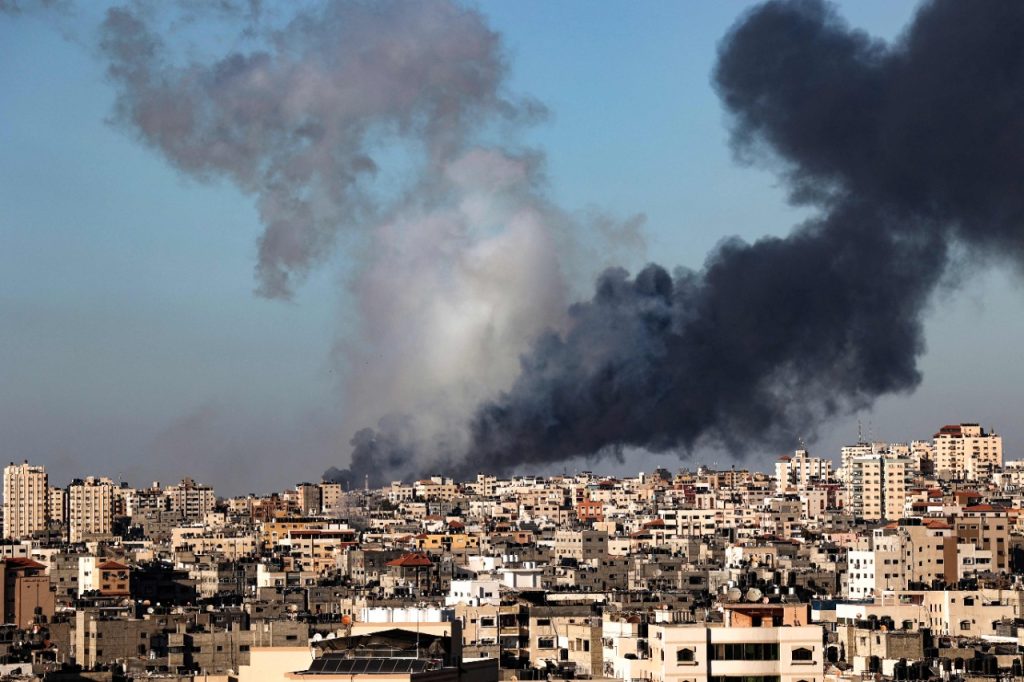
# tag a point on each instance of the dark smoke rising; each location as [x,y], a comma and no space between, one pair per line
[913,152]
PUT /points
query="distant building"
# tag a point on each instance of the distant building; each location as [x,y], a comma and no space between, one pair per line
[193,500]
[26,500]
[876,486]
[90,509]
[310,498]
[799,470]
[966,451]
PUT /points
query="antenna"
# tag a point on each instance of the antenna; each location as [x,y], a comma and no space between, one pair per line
[860,432]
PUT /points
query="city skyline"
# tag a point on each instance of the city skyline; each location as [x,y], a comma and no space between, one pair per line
[135,346]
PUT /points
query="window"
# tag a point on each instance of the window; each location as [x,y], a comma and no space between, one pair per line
[746,652]
[487,622]
[684,656]
[545,642]
[803,654]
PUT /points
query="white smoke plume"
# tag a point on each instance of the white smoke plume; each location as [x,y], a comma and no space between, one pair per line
[386,127]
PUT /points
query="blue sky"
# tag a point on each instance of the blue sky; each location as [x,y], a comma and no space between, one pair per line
[131,343]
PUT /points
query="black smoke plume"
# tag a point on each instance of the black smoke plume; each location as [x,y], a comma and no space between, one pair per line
[913,152]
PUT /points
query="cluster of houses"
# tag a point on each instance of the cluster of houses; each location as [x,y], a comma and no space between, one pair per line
[902,562]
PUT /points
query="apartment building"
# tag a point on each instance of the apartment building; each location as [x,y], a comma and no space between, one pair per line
[755,643]
[58,501]
[799,470]
[987,527]
[193,500]
[876,486]
[90,505]
[310,499]
[26,500]
[331,497]
[581,545]
[966,451]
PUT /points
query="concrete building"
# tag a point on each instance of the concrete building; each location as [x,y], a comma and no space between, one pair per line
[193,500]
[90,509]
[331,497]
[966,451]
[59,508]
[581,545]
[876,486]
[26,500]
[799,470]
[988,528]
[309,499]
[27,597]
[754,644]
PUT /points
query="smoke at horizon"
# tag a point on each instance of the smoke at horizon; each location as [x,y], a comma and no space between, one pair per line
[911,151]
[385,135]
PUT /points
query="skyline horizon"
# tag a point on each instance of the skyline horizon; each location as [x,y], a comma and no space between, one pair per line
[583,466]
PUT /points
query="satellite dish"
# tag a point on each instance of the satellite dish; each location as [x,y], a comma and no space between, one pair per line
[317,637]
[754,594]
[735,594]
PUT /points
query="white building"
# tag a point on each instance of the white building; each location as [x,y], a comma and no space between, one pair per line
[473,592]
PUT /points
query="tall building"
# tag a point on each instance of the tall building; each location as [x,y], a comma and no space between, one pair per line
[90,508]
[876,486]
[192,499]
[799,470]
[309,498]
[26,500]
[966,451]
[331,497]
[59,507]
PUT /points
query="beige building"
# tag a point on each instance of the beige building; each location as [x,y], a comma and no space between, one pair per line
[988,529]
[26,500]
[192,499]
[966,451]
[582,545]
[59,507]
[876,486]
[799,470]
[331,497]
[90,509]
[754,644]
[309,498]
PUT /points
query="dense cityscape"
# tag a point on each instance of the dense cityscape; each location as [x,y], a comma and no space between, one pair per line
[447,248]
[902,562]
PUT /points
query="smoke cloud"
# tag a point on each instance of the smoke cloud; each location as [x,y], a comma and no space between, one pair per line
[385,129]
[309,117]
[912,152]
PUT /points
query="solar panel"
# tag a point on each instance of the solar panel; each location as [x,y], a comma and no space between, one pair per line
[332,663]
